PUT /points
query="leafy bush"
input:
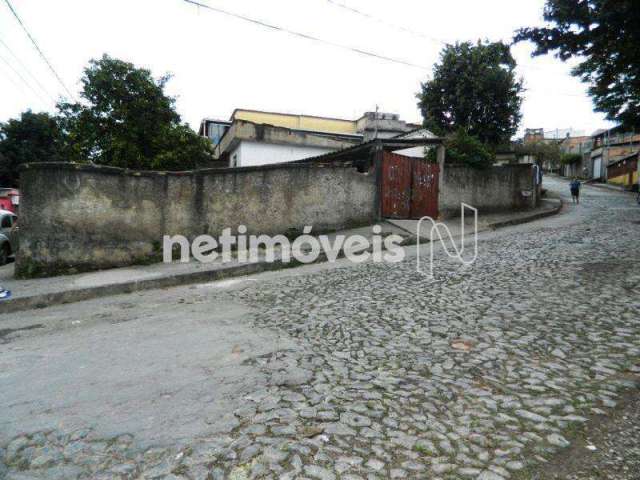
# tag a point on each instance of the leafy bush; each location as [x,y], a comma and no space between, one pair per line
[464,149]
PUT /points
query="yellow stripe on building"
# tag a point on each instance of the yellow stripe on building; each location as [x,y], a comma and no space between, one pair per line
[624,179]
[299,122]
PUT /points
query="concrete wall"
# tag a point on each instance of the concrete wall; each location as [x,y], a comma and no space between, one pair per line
[251,154]
[80,217]
[241,130]
[495,189]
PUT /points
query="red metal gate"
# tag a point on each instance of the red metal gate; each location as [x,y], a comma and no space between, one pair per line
[424,189]
[409,187]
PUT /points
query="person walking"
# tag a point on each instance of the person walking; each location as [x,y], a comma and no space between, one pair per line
[575,190]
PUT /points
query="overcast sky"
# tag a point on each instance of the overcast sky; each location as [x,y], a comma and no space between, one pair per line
[220,63]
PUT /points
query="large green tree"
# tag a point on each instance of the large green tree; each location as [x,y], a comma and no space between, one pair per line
[604,34]
[125,119]
[34,137]
[474,88]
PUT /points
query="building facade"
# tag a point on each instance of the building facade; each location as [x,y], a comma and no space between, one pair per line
[624,171]
[578,147]
[252,137]
[610,146]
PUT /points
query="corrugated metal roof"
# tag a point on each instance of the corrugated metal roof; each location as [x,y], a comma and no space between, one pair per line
[622,158]
[365,149]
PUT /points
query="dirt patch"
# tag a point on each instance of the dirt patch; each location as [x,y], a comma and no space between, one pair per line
[608,448]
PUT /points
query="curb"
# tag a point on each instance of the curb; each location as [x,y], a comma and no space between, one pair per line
[610,188]
[78,295]
[413,239]
[530,218]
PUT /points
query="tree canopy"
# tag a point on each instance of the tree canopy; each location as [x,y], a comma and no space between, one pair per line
[605,35]
[125,119]
[34,137]
[545,152]
[570,158]
[474,88]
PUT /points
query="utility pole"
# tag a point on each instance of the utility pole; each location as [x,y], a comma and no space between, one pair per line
[375,135]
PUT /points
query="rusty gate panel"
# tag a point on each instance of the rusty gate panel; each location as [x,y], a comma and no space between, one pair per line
[409,187]
[396,186]
[424,189]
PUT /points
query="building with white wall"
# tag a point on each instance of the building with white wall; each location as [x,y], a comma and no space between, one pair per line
[252,138]
[419,134]
[251,153]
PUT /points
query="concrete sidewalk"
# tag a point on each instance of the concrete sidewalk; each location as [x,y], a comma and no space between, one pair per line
[549,206]
[44,292]
[610,187]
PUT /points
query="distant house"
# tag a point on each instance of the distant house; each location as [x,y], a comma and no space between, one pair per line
[610,146]
[578,146]
[624,171]
[418,134]
[532,135]
[533,149]
[252,137]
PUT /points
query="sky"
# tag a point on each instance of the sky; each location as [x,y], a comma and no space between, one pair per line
[220,63]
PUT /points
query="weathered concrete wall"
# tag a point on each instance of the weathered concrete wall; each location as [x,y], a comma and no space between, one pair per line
[496,189]
[270,134]
[80,217]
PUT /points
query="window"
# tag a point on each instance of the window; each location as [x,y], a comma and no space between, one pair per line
[5,222]
[234,160]
[216,131]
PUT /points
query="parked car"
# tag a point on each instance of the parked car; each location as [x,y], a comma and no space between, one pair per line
[9,199]
[8,235]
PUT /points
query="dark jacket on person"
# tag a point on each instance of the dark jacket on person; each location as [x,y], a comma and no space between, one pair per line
[575,187]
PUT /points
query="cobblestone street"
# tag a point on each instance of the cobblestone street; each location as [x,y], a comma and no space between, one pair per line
[372,371]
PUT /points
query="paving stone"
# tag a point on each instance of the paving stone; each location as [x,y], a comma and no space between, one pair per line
[354,420]
[320,473]
[374,464]
[489,475]
[558,440]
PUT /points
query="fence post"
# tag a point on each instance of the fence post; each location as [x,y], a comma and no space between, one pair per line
[440,154]
[378,158]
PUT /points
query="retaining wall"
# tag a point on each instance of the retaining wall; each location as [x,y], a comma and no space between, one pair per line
[82,217]
[496,189]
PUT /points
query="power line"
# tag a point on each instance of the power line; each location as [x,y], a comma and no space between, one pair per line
[328,42]
[388,24]
[35,44]
[18,85]
[19,75]
[26,69]
[416,33]
[306,36]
